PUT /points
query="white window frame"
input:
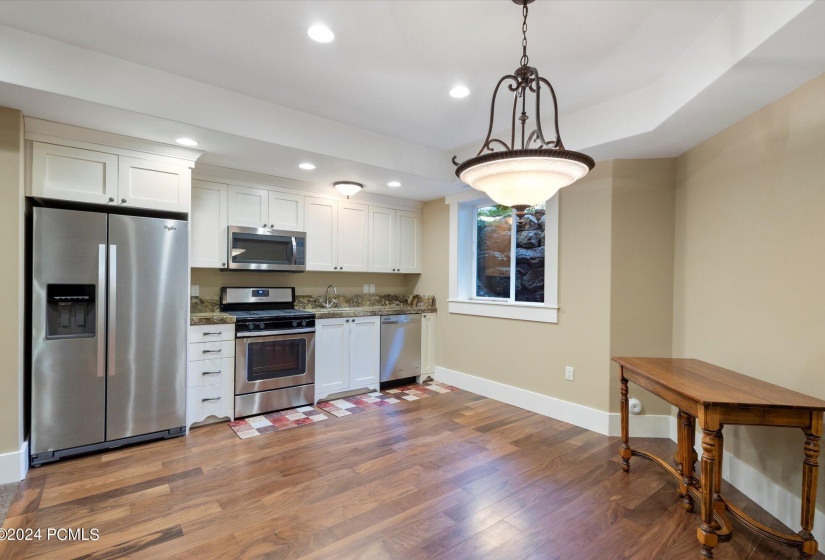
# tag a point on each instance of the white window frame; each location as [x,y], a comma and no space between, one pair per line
[462,300]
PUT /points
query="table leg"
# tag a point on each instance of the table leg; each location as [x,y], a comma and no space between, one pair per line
[686,435]
[624,451]
[810,471]
[718,502]
[706,533]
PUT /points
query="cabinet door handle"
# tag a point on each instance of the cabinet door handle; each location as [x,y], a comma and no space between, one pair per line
[341,268]
[336,268]
[211,372]
[111,199]
[212,351]
[211,333]
[264,225]
[123,201]
[211,399]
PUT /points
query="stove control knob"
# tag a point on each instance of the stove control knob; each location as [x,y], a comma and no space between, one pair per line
[261,325]
[294,323]
[304,323]
[250,325]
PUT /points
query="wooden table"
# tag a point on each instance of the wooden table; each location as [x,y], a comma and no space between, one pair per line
[717,396]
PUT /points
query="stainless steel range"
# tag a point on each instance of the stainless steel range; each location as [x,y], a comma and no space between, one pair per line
[274,349]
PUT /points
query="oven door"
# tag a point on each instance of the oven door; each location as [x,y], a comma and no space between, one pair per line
[265,361]
[265,249]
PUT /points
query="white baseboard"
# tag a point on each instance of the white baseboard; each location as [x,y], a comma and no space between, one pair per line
[777,501]
[579,415]
[14,465]
[782,504]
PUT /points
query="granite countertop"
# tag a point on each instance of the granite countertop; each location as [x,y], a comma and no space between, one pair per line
[205,310]
[341,312]
[210,319]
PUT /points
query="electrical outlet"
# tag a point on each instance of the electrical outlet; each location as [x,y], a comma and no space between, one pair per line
[196,290]
[366,288]
[568,373]
[372,288]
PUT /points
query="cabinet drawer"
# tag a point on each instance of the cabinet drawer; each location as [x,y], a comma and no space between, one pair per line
[211,350]
[211,372]
[210,333]
[210,398]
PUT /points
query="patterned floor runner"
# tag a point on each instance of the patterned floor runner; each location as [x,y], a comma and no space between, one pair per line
[258,425]
[371,401]
[285,419]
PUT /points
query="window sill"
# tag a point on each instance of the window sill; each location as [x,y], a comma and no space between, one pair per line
[504,310]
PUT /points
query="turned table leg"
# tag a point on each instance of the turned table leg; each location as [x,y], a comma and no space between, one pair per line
[706,533]
[810,471]
[718,502]
[686,435]
[624,451]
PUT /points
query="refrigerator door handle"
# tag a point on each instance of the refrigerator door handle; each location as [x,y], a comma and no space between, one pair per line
[112,307]
[100,301]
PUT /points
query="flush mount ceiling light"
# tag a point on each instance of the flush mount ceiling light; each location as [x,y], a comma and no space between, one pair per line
[307,166]
[459,91]
[393,184]
[320,34]
[529,173]
[183,141]
[348,188]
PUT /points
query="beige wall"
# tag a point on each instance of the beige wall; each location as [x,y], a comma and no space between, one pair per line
[307,283]
[749,290]
[641,302]
[11,278]
[533,355]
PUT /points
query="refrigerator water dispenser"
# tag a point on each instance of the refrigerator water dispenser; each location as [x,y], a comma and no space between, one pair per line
[70,311]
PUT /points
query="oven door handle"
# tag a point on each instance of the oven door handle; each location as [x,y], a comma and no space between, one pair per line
[273,333]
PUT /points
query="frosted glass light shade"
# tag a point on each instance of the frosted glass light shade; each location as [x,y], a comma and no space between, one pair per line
[524,180]
[348,188]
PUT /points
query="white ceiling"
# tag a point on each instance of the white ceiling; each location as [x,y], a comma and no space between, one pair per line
[634,78]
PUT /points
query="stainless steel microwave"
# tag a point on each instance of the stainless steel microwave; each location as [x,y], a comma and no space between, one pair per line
[266,249]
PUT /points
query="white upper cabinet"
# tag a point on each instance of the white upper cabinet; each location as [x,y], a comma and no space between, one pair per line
[248,207]
[395,240]
[153,185]
[208,225]
[321,221]
[74,174]
[91,173]
[382,240]
[353,237]
[263,208]
[286,211]
[409,241]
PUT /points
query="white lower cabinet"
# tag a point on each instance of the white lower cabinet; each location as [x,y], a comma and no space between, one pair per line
[210,387]
[428,322]
[347,354]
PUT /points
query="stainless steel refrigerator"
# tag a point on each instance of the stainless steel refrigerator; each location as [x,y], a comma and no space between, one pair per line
[109,309]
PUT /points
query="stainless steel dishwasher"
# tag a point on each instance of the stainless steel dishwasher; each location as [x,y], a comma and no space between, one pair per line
[400,346]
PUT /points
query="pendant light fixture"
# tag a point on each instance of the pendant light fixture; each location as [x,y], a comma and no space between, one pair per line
[530,172]
[348,188]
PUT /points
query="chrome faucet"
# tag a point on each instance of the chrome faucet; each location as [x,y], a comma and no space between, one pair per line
[327,302]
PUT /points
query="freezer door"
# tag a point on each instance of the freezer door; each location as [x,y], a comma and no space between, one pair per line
[68,387]
[148,304]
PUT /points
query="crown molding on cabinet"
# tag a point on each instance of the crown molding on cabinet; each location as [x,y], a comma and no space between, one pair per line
[68,135]
[253,180]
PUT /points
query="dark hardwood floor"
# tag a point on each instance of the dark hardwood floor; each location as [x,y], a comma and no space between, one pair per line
[453,476]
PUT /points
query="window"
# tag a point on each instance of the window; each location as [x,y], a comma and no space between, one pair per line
[502,266]
[499,237]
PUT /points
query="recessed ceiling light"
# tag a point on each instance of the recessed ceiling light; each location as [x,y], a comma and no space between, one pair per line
[307,166]
[459,91]
[320,33]
[393,184]
[186,142]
